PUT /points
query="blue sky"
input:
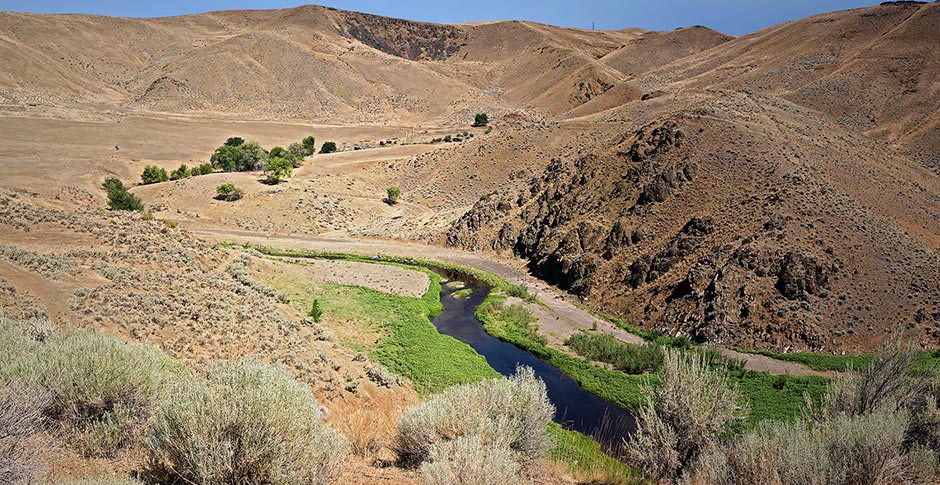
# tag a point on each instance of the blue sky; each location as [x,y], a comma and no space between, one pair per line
[730,16]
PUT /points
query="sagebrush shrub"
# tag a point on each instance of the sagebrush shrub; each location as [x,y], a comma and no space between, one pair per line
[467,460]
[683,418]
[509,413]
[99,386]
[245,423]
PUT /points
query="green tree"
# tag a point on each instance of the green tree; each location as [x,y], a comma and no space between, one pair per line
[393,194]
[227,158]
[310,145]
[153,174]
[481,119]
[278,168]
[119,198]
[181,173]
[315,312]
[204,169]
[282,153]
[247,156]
[234,141]
[328,147]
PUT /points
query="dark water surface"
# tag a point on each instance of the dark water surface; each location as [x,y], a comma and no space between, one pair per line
[575,408]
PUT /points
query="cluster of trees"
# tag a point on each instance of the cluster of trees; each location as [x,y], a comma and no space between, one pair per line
[481,119]
[239,155]
[153,174]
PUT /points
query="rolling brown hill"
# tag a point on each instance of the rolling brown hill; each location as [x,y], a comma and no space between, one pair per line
[747,202]
[774,190]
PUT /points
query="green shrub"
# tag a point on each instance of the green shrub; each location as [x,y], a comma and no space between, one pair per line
[310,145]
[392,195]
[235,141]
[328,147]
[119,198]
[520,291]
[100,387]
[203,169]
[181,173]
[228,192]
[481,119]
[509,413]
[247,423]
[278,168]
[448,139]
[626,357]
[153,174]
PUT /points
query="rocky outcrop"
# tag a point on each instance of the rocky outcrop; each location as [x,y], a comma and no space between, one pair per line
[649,267]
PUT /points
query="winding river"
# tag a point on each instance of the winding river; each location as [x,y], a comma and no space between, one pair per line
[575,408]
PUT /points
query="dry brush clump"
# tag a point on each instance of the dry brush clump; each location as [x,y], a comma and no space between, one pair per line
[99,387]
[475,430]
[683,418]
[877,425]
[20,419]
[246,423]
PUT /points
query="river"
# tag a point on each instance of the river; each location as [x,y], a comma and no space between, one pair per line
[575,408]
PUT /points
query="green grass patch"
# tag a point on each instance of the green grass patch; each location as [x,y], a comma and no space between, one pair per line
[780,398]
[463,293]
[411,346]
[584,456]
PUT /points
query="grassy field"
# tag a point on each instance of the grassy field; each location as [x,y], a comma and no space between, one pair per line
[409,344]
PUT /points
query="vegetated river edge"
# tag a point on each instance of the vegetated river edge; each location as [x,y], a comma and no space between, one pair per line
[575,408]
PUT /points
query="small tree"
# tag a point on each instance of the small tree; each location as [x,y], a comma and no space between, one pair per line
[119,198]
[481,119]
[328,147]
[278,168]
[234,141]
[393,194]
[228,192]
[153,174]
[204,169]
[180,173]
[282,153]
[310,145]
[315,312]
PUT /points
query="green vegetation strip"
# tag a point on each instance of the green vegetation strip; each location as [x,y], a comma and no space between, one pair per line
[508,324]
[779,398]
[923,362]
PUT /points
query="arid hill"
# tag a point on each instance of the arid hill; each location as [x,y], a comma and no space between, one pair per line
[777,190]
